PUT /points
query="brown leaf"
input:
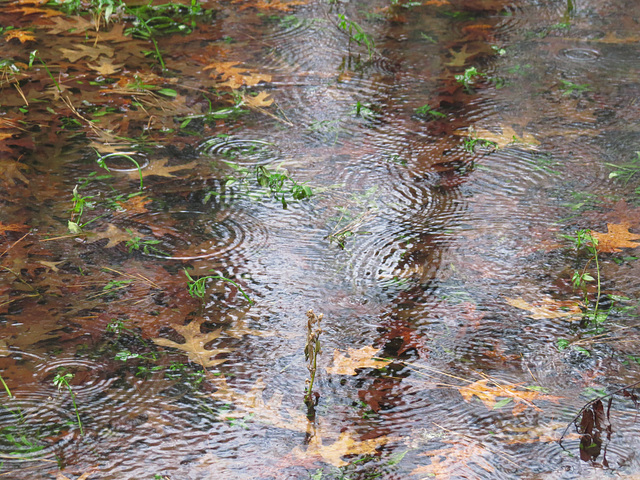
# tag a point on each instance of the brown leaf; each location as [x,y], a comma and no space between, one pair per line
[194,343]
[82,51]
[617,237]
[10,172]
[547,308]
[105,67]
[84,476]
[135,204]
[113,233]
[69,25]
[459,58]
[270,4]
[362,358]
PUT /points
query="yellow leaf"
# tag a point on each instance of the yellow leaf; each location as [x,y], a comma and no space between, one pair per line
[22,35]
[345,445]
[260,100]
[363,358]
[453,461]
[194,343]
[459,58]
[10,172]
[547,308]
[617,237]
[82,51]
[488,394]
[507,137]
[270,4]
[161,169]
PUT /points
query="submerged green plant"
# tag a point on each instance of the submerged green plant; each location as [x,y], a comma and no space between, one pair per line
[469,77]
[147,246]
[584,240]
[102,158]
[626,171]
[311,351]
[570,87]
[426,111]
[198,287]
[61,380]
[77,210]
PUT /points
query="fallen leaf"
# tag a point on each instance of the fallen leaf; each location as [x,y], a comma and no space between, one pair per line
[617,237]
[84,476]
[44,12]
[12,227]
[547,308]
[77,25]
[134,205]
[489,394]
[161,169]
[105,67]
[260,100]
[82,51]
[459,58]
[453,461]
[22,35]
[114,234]
[345,445]
[10,172]
[234,77]
[194,343]
[270,4]
[507,137]
[362,358]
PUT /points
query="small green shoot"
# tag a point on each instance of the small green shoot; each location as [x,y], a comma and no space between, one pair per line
[198,288]
[571,88]
[356,33]
[61,380]
[426,111]
[469,77]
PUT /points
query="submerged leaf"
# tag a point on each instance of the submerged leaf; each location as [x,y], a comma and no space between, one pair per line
[363,358]
[547,308]
[194,343]
[617,237]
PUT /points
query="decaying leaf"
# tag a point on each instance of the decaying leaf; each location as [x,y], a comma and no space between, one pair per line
[84,476]
[270,4]
[507,137]
[114,234]
[81,51]
[356,359]
[161,169]
[10,172]
[344,446]
[454,461]
[617,237]
[195,342]
[546,308]
[490,393]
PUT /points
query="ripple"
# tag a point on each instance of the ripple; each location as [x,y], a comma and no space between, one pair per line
[580,54]
[119,162]
[87,375]
[194,235]
[241,151]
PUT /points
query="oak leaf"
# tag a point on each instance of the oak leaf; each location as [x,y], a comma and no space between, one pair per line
[194,343]
[362,358]
[161,169]
[459,58]
[547,308]
[135,204]
[22,35]
[617,237]
[453,461]
[345,445]
[44,12]
[489,394]
[77,25]
[114,234]
[261,100]
[82,51]
[84,476]
[10,172]
[105,67]
[235,77]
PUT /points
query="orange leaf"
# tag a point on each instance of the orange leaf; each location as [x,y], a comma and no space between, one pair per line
[617,237]
[260,100]
[22,35]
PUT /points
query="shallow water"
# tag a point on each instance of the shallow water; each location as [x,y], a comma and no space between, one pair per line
[442,251]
